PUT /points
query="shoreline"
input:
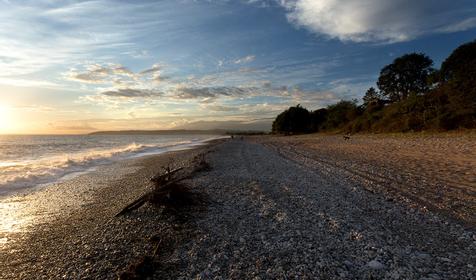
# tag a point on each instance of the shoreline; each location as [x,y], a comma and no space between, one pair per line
[13,190]
[44,226]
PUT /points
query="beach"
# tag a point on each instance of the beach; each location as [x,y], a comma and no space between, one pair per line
[435,171]
[68,230]
[301,207]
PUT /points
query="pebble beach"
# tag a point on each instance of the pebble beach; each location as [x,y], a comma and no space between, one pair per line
[301,207]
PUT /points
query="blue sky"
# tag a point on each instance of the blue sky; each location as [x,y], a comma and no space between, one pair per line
[80,66]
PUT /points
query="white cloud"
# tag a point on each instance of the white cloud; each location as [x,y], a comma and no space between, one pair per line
[460,26]
[380,21]
[246,59]
[43,34]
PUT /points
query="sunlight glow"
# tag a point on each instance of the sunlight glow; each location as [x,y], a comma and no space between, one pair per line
[6,121]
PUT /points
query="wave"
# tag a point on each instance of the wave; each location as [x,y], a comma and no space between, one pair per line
[24,174]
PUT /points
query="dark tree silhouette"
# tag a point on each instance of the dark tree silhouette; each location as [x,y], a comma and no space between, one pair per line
[318,118]
[371,96]
[406,75]
[457,88]
[460,68]
[341,113]
[293,120]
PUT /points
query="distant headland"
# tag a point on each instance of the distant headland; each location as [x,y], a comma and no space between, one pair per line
[176,132]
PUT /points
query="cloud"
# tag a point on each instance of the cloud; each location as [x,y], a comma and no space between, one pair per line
[91,78]
[155,73]
[246,59]
[380,21]
[99,74]
[138,54]
[154,69]
[121,70]
[459,26]
[53,33]
[210,92]
[132,93]
[219,108]
[132,115]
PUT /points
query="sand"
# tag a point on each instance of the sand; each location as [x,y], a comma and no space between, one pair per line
[437,171]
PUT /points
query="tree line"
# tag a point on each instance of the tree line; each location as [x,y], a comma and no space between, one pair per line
[410,95]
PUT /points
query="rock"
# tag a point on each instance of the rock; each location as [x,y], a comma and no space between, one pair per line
[374,264]
[423,256]
[432,276]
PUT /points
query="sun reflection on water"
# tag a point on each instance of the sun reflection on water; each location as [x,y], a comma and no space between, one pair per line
[15,217]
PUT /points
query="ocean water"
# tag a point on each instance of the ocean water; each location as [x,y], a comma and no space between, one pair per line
[29,161]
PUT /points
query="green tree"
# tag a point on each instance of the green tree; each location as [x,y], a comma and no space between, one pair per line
[406,75]
[341,113]
[371,96]
[293,120]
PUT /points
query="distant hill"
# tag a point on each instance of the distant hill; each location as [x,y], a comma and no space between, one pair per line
[263,125]
[203,127]
[158,132]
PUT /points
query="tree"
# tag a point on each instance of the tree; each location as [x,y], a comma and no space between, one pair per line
[457,78]
[341,113]
[460,66]
[318,118]
[371,96]
[293,120]
[458,72]
[406,75]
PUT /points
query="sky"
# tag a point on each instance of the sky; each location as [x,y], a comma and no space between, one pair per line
[82,66]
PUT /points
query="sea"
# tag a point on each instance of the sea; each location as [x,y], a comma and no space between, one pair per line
[37,160]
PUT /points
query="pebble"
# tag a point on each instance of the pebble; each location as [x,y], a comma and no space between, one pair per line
[375,265]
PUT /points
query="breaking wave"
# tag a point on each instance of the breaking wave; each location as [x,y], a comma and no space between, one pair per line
[21,174]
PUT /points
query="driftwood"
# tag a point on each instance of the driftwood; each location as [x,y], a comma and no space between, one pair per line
[134,205]
[201,164]
[159,178]
[168,190]
[164,190]
[174,196]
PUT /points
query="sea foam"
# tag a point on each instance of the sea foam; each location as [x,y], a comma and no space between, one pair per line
[44,169]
